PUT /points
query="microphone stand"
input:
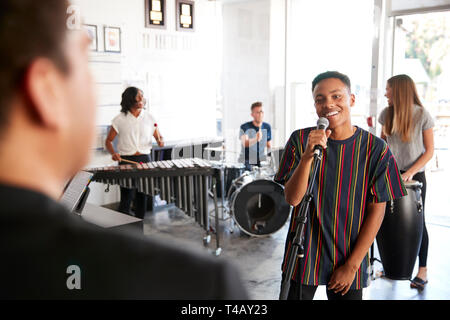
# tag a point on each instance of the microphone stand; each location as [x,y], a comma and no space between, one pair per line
[297,249]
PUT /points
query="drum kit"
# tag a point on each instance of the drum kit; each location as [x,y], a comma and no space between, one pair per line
[251,199]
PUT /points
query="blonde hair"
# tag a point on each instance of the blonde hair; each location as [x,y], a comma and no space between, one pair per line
[400,114]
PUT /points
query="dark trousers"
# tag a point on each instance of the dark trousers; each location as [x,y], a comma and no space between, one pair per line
[423,251]
[308,292]
[127,195]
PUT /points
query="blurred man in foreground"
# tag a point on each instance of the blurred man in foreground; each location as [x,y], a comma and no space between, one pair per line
[47,125]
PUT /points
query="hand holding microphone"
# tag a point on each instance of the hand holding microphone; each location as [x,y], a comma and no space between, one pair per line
[317,139]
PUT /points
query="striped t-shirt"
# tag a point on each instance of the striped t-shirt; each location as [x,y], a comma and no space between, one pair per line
[353,173]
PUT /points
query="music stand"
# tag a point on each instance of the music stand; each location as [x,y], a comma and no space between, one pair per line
[76,192]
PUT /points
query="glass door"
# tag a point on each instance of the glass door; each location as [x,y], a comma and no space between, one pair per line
[422,50]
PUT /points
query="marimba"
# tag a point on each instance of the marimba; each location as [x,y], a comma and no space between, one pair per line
[183,182]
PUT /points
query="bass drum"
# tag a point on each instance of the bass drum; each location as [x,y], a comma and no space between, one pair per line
[257,205]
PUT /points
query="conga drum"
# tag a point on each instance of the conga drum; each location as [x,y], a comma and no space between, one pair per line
[400,234]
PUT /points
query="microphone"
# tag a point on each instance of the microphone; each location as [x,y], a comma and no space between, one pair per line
[322,124]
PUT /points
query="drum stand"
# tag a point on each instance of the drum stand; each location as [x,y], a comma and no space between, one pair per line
[372,260]
[218,250]
[224,208]
[225,215]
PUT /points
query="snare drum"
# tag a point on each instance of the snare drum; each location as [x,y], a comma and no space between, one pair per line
[400,234]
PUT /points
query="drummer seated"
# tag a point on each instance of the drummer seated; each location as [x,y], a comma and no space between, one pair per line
[255,136]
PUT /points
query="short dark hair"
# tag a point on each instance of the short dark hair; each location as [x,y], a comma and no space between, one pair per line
[129,99]
[20,45]
[255,105]
[332,74]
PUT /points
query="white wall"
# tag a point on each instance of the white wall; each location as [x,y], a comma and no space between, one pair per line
[253,65]
[245,62]
[177,70]
[319,42]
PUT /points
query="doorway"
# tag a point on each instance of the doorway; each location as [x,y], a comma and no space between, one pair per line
[422,50]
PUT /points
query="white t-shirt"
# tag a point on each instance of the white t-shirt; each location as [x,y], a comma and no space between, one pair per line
[134,134]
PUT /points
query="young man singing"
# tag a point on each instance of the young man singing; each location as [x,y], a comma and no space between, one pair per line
[356,176]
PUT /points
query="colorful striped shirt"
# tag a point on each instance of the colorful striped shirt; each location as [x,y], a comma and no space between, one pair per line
[352,173]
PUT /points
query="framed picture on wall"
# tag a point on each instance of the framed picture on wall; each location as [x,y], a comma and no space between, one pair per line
[112,39]
[155,14]
[92,33]
[185,15]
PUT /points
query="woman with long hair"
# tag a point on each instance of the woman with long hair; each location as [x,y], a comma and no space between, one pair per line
[408,130]
[134,129]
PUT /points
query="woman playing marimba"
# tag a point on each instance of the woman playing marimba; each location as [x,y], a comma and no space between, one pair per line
[134,128]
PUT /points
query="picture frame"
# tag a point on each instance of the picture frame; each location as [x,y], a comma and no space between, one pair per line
[92,33]
[155,14]
[112,39]
[185,15]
